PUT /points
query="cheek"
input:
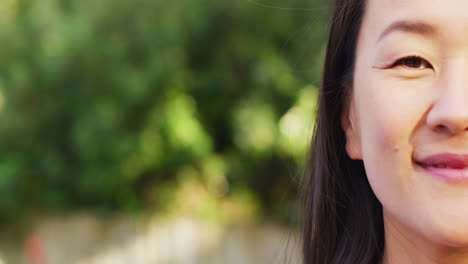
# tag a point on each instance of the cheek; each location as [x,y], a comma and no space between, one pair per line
[391,127]
[387,123]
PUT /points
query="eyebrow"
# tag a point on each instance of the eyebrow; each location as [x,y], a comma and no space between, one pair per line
[415,27]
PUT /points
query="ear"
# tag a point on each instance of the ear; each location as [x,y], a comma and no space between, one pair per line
[348,124]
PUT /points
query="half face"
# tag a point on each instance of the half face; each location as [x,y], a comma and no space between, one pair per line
[408,117]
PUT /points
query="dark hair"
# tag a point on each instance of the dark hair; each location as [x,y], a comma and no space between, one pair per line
[343,220]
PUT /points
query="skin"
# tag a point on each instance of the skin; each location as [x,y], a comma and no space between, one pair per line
[402,110]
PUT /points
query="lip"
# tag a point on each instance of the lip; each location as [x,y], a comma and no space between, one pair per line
[456,169]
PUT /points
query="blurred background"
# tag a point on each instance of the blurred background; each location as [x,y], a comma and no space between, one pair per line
[150,131]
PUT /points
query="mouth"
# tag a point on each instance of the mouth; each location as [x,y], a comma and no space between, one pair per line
[447,166]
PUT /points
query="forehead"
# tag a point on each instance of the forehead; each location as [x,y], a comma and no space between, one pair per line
[448,16]
[455,8]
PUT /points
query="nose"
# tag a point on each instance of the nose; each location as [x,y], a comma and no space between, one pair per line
[449,112]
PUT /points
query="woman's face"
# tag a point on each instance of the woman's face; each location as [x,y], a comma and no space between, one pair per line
[408,116]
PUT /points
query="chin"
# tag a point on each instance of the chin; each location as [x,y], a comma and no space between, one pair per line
[451,233]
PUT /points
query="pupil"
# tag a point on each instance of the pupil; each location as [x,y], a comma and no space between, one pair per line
[414,62]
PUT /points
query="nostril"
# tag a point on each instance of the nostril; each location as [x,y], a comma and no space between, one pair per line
[440,128]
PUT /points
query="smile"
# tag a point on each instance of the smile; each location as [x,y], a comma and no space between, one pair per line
[446,166]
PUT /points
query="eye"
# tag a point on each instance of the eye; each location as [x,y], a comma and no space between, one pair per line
[413,62]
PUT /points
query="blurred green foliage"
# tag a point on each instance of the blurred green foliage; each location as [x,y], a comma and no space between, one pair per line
[120,104]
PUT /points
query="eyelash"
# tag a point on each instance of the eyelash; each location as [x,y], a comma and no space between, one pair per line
[401,62]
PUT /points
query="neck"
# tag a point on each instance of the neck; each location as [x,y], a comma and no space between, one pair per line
[404,246]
